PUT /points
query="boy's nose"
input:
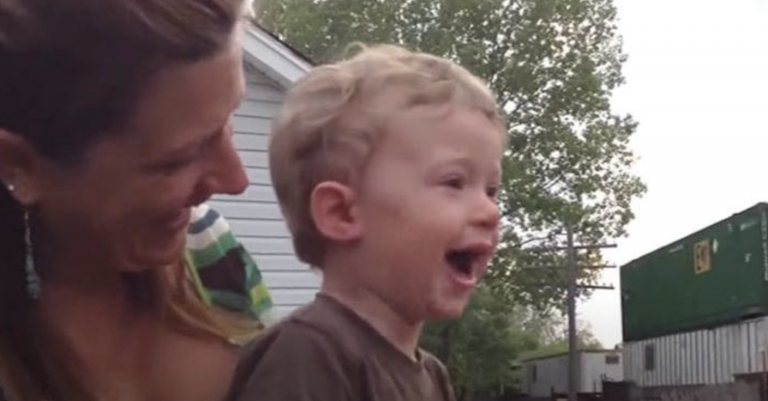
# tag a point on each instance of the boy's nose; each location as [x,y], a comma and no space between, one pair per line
[487,213]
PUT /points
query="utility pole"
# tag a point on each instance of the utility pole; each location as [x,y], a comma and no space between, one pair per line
[572,337]
[572,267]
[573,362]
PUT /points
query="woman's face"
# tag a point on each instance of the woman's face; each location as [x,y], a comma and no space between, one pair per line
[127,205]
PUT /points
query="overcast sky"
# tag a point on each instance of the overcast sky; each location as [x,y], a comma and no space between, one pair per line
[697,82]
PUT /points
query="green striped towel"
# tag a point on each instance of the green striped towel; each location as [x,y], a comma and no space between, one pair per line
[222,270]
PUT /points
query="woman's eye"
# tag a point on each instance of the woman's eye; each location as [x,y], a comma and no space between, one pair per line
[174,165]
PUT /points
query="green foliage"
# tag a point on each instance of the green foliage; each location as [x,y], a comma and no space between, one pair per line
[553,65]
[480,349]
[585,340]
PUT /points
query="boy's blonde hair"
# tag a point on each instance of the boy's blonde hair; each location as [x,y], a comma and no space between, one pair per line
[332,118]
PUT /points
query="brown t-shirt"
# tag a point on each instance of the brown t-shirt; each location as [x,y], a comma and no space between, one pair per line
[325,352]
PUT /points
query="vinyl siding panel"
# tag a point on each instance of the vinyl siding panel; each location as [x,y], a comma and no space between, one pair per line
[255,215]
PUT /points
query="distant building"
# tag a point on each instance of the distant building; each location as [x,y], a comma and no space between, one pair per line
[548,375]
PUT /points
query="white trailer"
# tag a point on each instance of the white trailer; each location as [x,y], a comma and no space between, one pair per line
[548,375]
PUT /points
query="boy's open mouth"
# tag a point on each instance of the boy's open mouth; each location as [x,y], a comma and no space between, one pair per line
[463,261]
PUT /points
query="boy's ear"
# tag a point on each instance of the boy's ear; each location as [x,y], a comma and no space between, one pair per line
[332,206]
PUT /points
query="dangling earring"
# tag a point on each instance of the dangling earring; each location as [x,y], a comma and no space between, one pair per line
[33,279]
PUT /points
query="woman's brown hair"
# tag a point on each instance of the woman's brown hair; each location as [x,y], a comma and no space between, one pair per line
[71,72]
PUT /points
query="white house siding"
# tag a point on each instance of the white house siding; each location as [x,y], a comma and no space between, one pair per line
[255,216]
[709,356]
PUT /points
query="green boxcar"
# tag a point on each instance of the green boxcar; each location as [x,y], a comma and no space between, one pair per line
[715,276]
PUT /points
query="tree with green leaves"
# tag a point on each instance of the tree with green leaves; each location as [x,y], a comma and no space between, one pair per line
[553,65]
[480,350]
[559,344]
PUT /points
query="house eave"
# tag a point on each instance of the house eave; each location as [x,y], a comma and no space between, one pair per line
[274,59]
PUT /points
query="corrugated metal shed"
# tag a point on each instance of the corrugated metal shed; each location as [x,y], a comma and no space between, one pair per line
[708,356]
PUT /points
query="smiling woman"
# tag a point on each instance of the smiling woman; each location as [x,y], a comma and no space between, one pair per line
[114,129]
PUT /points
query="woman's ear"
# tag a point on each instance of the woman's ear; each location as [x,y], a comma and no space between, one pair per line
[332,205]
[19,163]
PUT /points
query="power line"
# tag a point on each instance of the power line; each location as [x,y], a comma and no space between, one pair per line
[580,267]
[565,248]
[572,336]
[572,267]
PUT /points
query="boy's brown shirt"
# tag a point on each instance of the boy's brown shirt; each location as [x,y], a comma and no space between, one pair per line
[325,352]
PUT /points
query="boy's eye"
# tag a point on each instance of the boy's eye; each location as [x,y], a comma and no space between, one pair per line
[455,183]
[492,192]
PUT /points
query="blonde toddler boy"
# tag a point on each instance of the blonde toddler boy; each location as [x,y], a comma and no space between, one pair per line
[386,167]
